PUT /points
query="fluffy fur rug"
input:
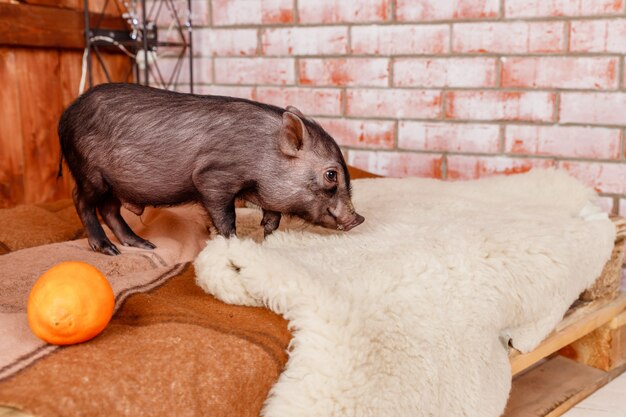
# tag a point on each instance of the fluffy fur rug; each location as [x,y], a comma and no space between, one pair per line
[411,313]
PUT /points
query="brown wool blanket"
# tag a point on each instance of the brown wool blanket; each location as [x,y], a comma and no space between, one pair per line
[170,347]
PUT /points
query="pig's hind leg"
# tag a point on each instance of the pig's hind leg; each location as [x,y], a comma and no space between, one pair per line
[110,211]
[86,204]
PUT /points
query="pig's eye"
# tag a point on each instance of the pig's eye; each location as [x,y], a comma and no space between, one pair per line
[331,175]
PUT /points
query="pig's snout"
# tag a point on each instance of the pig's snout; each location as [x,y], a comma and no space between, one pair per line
[357,220]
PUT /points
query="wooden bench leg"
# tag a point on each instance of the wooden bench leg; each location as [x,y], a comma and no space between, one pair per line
[604,348]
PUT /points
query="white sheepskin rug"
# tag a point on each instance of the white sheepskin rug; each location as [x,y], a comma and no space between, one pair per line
[411,313]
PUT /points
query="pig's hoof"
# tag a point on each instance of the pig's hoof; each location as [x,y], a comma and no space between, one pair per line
[105,247]
[139,243]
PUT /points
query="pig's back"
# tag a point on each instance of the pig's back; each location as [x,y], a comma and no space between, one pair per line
[150,141]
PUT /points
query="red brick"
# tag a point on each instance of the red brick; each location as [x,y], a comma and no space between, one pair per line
[500,105]
[305,40]
[593,108]
[311,101]
[181,88]
[448,137]
[241,12]
[201,70]
[420,10]
[224,42]
[568,141]
[397,164]
[200,12]
[547,8]
[560,72]
[375,134]
[342,11]
[400,39]
[345,71]
[598,36]
[226,90]
[393,103]
[604,177]
[444,72]
[508,37]
[461,167]
[200,15]
[254,71]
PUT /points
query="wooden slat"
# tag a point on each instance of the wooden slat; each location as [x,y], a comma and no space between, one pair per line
[118,66]
[70,73]
[69,81]
[40,107]
[38,84]
[619,341]
[356,173]
[11,155]
[12,412]
[604,348]
[47,27]
[576,325]
[553,387]
[66,4]
[94,5]
[619,321]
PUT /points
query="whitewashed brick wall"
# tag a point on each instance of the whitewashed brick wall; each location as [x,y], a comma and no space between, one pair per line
[451,89]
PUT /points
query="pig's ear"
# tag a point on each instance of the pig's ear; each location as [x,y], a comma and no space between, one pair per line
[295,111]
[292,134]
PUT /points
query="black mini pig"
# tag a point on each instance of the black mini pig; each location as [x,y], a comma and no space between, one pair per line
[138,146]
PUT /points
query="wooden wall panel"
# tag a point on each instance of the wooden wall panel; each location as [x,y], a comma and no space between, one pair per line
[69,75]
[49,27]
[37,85]
[66,4]
[40,103]
[94,5]
[11,156]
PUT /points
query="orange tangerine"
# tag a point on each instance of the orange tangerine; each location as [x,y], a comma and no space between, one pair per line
[70,303]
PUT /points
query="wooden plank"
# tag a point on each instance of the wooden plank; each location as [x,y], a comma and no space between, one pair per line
[71,63]
[553,387]
[11,156]
[38,85]
[47,27]
[576,325]
[40,107]
[66,4]
[118,66]
[97,6]
[619,321]
[12,412]
[94,5]
[69,81]
[356,173]
[604,348]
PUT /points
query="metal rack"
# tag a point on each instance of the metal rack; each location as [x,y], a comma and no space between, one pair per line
[139,39]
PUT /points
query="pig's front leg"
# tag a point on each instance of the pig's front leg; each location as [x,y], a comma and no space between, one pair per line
[270,222]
